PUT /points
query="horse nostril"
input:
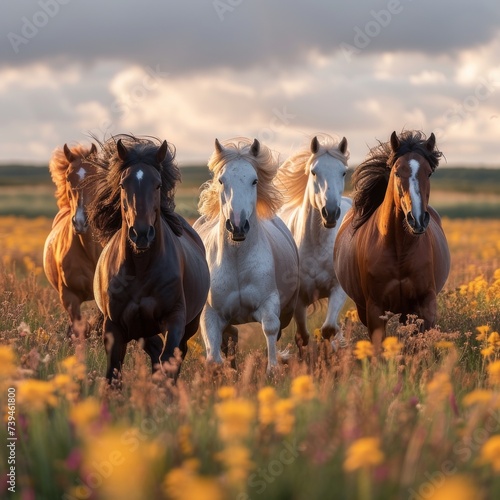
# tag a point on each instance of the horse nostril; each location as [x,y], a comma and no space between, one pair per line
[337,213]
[324,212]
[410,219]
[246,226]
[73,220]
[132,234]
[427,219]
[229,226]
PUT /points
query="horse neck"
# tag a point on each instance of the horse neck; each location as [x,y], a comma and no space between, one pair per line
[309,225]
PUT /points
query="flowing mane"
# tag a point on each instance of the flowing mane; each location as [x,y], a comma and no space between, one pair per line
[105,210]
[293,174]
[58,167]
[269,199]
[371,178]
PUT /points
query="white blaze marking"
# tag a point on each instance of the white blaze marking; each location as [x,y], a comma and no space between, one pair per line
[81,173]
[139,175]
[416,200]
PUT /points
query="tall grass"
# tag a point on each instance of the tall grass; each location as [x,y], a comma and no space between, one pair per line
[421,421]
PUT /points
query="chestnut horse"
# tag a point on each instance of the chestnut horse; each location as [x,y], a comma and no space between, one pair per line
[152,276]
[71,252]
[391,253]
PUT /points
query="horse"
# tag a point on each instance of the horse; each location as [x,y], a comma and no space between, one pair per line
[313,179]
[70,253]
[152,277]
[253,259]
[391,252]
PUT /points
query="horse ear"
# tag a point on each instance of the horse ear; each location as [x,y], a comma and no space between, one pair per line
[314,145]
[431,142]
[218,146]
[343,146]
[161,154]
[122,150]
[255,148]
[93,149]
[68,154]
[394,141]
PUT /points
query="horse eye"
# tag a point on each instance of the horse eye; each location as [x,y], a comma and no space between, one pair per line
[396,174]
[430,174]
[313,172]
[343,175]
[220,180]
[254,183]
[121,185]
[159,186]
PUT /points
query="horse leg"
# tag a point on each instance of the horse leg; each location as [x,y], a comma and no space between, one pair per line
[302,335]
[116,347]
[189,331]
[330,327]
[428,309]
[268,317]
[230,344]
[154,347]
[376,326]
[212,326]
[71,302]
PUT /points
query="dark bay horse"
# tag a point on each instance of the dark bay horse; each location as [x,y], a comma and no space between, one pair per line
[152,276]
[391,253]
[71,252]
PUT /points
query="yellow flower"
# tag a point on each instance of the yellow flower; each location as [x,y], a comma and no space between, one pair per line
[237,462]
[85,413]
[444,344]
[112,452]
[483,330]
[235,417]
[490,452]
[364,452]
[226,392]
[392,347]
[7,361]
[456,488]
[440,386]
[302,389]
[72,366]
[267,398]
[284,416]
[479,396]
[317,334]
[184,438]
[494,339]
[363,349]
[352,314]
[64,385]
[488,351]
[184,483]
[494,372]
[36,395]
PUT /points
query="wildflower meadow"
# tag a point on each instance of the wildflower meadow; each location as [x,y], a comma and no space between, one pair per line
[420,421]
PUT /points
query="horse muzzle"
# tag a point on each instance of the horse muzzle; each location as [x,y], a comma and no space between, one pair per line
[330,217]
[418,226]
[141,239]
[238,233]
[80,225]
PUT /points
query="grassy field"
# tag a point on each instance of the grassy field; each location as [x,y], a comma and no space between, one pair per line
[423,421]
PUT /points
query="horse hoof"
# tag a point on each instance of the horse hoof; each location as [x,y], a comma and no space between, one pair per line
[339,342]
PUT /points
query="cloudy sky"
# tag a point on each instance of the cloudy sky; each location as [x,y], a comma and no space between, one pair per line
[191,70]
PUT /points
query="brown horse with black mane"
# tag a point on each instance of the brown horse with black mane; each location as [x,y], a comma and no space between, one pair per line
[391,253]
[152,277]
[71,252]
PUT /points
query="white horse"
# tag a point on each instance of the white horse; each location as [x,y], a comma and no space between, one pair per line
[253,259]
[313,182]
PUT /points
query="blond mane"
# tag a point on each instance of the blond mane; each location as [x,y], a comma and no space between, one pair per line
[269,199]
[58,167]
[294,172]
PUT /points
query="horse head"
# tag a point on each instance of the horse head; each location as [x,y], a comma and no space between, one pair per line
[326,182]
[140,185]
[238,192]
[411,177]
[79,192]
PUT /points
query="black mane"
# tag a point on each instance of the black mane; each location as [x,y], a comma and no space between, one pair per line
[105,210]
[371,178]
